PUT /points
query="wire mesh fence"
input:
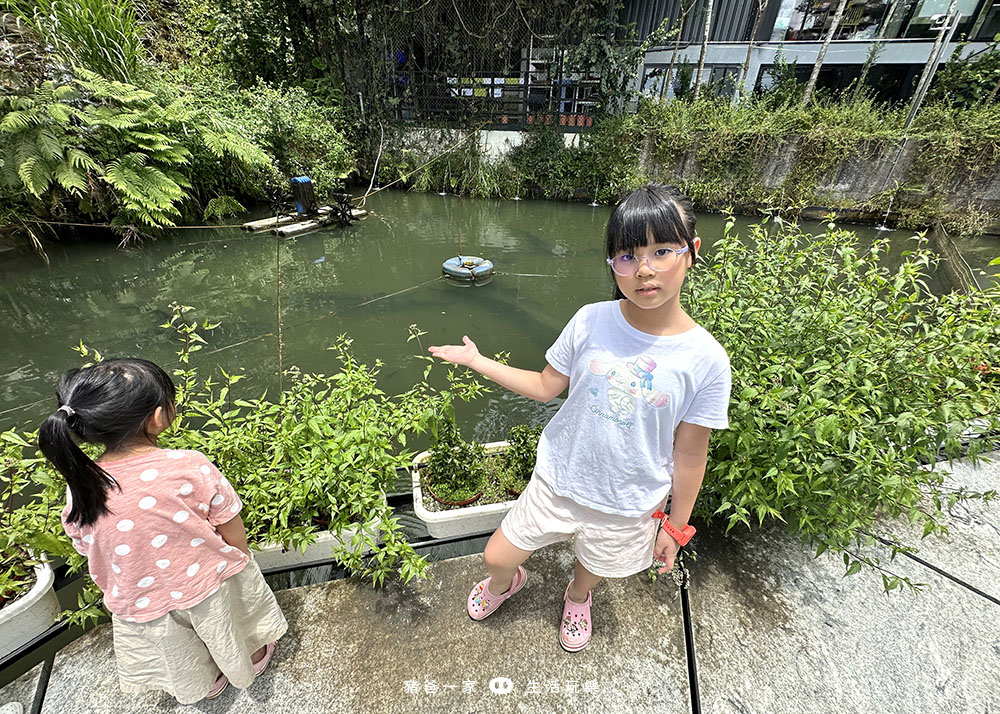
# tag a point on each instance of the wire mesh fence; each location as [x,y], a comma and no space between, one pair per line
[501,62]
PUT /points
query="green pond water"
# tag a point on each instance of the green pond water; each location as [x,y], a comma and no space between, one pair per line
[549,259]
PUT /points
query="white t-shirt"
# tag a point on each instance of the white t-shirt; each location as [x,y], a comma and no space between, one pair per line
[610,446]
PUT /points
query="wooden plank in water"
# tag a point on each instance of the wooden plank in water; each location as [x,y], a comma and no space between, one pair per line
[269,222]
[296,228]
[275,221]
[285,230]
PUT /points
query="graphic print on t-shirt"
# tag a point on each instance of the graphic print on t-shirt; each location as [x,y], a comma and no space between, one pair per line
[627,380]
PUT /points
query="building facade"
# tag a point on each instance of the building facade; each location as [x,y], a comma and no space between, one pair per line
[897,36]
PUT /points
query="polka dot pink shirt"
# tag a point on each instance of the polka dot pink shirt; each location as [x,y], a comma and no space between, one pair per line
[158,549]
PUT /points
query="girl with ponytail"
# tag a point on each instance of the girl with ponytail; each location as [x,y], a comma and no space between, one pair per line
[162,534]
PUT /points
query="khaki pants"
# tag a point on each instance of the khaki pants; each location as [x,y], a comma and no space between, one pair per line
[183,652]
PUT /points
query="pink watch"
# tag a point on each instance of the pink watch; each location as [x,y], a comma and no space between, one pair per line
[682,537]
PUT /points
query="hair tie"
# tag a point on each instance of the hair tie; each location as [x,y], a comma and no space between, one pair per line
[70,411]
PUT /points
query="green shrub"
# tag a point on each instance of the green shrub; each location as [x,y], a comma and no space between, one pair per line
[455,470]
[544,163]
[848,381]
[519,459]
[299,135]
[322,456]
[968,79]
[18,526]
[34,525]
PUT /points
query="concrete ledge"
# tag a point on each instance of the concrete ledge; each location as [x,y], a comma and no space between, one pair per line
[22,690]
[413,648]
[777,630]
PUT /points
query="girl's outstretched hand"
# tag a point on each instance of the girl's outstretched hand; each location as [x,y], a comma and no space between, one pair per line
[459,354]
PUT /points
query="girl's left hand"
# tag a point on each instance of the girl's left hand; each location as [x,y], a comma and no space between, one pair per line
[665,551]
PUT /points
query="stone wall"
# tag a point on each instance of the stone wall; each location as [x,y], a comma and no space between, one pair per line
[854,180]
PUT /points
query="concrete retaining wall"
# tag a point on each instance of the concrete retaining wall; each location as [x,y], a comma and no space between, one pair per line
[854,180]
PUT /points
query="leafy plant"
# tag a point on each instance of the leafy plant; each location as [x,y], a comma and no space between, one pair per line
[222,206]
[103,36]
[112,147]
[300,135]
[849,382]
[454,471]
[321,456]
[519,458]
[33,499]
[16,574]
[544,162]
[970,79]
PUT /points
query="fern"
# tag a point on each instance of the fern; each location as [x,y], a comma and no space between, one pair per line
[146,193]
[70,178]
[36,175]
[222,206]
[15,121]
[61,112]
[114,147]
[49,143]
[80,160]
[100,88]
[221,143]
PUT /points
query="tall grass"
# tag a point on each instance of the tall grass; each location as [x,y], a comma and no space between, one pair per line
[104,36]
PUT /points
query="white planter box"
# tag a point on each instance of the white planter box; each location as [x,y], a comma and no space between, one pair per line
[274,555]
[31,614]
[463,520]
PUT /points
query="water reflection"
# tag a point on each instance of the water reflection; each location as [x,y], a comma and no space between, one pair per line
[370,280]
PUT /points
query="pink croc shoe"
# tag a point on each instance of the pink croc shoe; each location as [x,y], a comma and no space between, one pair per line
[576,623]
[260,665]
[219,687]
[482,603]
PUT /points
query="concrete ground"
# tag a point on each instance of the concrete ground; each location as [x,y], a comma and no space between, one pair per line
[775,630]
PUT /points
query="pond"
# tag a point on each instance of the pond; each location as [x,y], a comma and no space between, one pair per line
[371,281]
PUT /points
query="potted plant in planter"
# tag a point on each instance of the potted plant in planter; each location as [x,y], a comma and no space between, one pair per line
[500,470]
[454,472]
[28,603]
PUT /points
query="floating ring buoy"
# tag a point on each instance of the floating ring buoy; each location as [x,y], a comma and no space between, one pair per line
[467,267]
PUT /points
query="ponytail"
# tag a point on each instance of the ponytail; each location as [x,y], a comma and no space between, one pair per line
[111,404]
[88,483]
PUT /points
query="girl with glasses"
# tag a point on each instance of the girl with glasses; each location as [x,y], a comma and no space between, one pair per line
[646,387]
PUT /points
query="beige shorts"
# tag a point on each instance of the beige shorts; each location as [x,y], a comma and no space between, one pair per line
[182,652]
[607,545]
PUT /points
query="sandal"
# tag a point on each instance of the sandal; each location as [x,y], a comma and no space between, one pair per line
[482,603]
[219,687]
[260,665]
[576,623]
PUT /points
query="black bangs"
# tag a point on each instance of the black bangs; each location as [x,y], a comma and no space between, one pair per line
[661,210]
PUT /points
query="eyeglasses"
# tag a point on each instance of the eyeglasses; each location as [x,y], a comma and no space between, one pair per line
[627,265]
